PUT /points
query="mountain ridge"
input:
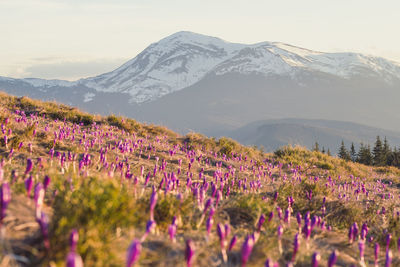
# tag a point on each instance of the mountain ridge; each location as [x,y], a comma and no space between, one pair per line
[184,58]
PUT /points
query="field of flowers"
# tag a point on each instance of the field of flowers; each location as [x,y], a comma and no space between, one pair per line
[85,190]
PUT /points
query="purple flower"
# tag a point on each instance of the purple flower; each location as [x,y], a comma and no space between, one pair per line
[209,223]
[332,259]
[133,253]
[296,244]
[74,260]
[315,259]
[221,233]
[376,253]
[43,221]
[388,239]
[280,231]
[150,226]
[39,197]
[153,202]
[189,253]
[73,239]
[298,218]
[232,243]
[261,220]
[46,182]
[5,197]
[388,260]
[28,185]
[29,166]
[247,247]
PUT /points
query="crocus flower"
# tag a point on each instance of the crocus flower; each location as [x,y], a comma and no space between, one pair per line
[133,253]
[332,259]
[388,260]
[376,253]
[43,221]
[29,166]
[315,259]
[222,237]
[232,243]
[209,223]
[39,198]
[46,182]
[5,197]
[150,226]
[74,260]
[296,244]
[28,185]
[189,253]
[280,232]
[73,239]
[388,239]
[153,202]
[261,220]
[172,230]
[247,247]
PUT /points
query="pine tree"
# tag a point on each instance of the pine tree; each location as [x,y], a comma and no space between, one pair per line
[343,153]
[368,156]
[323,150]
[386,151]
[316,147]
[364,155]
[329,152]
[378,157]
[353,154]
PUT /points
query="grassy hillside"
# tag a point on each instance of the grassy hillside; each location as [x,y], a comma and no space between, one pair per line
[143,193]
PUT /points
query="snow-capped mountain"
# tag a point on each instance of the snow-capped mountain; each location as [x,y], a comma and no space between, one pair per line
[188,81]
[184,58]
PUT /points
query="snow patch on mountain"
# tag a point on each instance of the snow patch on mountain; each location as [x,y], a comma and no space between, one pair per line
[35,82]
[184,58]
[88,97]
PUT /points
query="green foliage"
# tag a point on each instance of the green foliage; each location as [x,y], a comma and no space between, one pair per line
[97,209]
[168,207]
[342,215]
[128,125]
[227,146]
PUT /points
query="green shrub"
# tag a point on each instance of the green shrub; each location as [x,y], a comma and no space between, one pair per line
[97,209]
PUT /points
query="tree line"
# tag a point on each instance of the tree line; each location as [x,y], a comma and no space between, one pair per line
[382,154]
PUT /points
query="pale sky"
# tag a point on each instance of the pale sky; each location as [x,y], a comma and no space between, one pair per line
[71,39]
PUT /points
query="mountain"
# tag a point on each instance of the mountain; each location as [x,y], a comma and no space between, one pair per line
[189,81]
[272,134]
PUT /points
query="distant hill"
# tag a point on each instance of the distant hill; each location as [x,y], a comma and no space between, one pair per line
[272,134]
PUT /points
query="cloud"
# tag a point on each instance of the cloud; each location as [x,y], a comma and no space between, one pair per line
[68,70]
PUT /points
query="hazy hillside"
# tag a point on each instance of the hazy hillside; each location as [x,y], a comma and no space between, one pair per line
[272,134]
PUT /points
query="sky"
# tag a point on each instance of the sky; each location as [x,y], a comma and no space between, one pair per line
[72,39]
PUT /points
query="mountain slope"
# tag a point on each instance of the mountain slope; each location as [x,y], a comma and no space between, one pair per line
[271,134]
[189,81]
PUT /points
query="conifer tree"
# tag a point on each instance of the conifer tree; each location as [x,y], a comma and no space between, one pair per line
[316,147]
[364,155]
[385,152]
[353,153]
[378,156]
[343,153]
